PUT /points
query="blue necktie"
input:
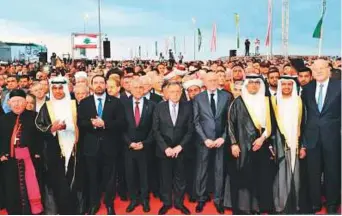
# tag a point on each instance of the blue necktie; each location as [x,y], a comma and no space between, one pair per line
[99,108]
[320,98]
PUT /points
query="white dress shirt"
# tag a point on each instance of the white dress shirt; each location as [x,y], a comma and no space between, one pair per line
[324,90]
[215,97]
[39,104]
[128,94]
[96,97]
[273,93]
[141,105]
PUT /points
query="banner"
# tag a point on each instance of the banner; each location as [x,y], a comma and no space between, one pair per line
[199,39]
[237,20]
[139,51]
[318,30]
[213,39]
[156,47]
[85,41]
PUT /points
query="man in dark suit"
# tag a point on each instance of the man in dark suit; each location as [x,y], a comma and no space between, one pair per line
[113,89]
[153,175]
[125,90]
[210,119]
[322,136]
[138,136]
[147,83]
[172,129]
[102,120]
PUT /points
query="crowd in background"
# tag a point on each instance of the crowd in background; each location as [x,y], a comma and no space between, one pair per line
[156,80]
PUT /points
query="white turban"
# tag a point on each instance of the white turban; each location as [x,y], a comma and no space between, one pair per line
[194,82]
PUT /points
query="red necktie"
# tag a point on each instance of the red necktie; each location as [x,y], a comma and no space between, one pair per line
[137,113]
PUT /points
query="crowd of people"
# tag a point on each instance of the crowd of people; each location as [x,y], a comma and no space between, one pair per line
[251,134]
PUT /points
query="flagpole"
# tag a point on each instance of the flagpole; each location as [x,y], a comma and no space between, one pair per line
[100,33]
[194,43]
[237,26]
[194,23]
[321,37]
[184,52]
[320,43]
[271,30]
[85,19]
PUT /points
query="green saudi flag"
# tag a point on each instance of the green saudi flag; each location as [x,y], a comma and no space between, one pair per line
[199,39]
[318,30]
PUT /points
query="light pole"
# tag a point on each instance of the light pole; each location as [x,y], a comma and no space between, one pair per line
[194,24]
[85,19]
[100,33]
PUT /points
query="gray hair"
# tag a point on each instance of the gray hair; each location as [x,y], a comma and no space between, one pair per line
[146,80]
[79,87]
[174,84]
[139,81]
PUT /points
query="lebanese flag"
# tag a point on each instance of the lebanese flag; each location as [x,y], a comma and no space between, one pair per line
[85,41]
[213,39]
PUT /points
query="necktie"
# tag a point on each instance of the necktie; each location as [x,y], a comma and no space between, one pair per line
[137,113]
[99,108]
[212,104]
[320,98]
[174,114]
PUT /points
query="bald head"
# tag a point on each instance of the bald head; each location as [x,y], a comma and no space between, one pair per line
[211,81]
[147,83]
[81,91]
[321,70]
[320,62]
[137,88]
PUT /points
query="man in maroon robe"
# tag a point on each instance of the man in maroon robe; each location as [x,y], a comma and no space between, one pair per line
[20,147]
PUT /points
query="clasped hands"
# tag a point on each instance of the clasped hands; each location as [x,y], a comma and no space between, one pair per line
[214,143]
[57,126]
[136,146]
[256,146]
[97,122]
[173,152]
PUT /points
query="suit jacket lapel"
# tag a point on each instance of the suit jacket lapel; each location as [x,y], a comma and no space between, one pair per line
[131,110]
[167,111]
[144,111]
[220,103]
[180,113]
[106,106]
[328,96]
[93,106]
[206,103]
[312,95]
